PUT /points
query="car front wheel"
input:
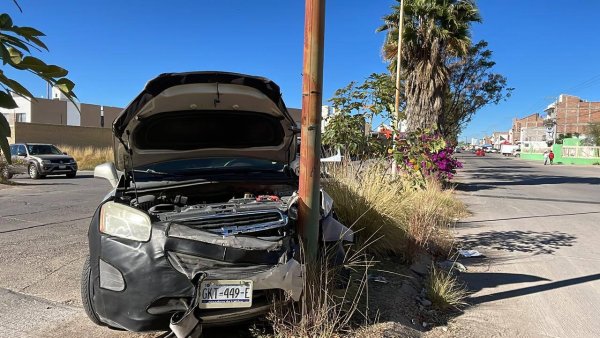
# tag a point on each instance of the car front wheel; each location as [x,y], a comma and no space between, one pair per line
[6,174]
[34,173]
[87,292]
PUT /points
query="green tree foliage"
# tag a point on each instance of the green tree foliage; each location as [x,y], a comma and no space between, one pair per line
[434,31]
[472,85]
[593,134]
[16,45]
[356,107]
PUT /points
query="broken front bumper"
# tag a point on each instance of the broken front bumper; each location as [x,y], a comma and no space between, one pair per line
[138,286]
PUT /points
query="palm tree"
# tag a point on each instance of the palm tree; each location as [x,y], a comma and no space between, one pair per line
[434,31]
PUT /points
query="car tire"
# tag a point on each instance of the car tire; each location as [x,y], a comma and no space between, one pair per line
[6,174]
[33,171]
[87,291]
[71,175]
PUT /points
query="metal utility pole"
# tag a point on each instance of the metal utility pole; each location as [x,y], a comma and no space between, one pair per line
[398,71]
[310,146]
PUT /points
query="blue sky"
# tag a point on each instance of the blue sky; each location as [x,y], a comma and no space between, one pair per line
[112,48]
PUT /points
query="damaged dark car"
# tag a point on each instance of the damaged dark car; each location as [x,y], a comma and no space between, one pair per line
[200,228]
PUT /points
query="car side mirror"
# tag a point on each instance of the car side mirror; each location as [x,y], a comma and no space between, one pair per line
[107,171]
[65,153]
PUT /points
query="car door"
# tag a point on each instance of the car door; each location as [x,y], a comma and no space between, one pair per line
[20,159]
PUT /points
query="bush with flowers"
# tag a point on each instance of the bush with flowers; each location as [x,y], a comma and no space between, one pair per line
[425,154]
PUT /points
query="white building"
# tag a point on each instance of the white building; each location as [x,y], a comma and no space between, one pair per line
[57,110]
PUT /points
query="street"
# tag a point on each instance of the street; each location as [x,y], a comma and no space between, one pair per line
[536,225]
[538,228]
[43,243]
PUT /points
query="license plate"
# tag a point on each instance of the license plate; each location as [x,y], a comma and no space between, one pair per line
[62,167]
[221,294]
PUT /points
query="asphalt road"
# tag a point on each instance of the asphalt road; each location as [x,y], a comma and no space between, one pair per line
[537,225]
[539,228]
[43,243]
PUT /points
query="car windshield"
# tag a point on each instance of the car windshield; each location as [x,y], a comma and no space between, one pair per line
[43,149]
[191,167]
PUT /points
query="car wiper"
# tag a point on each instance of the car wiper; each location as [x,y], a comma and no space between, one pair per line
[154,172]
[226,170]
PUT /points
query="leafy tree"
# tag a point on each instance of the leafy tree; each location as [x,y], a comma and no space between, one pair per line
[434,31]
[16,44]
[472,85]
[593,134]
[356,106]
[347,132]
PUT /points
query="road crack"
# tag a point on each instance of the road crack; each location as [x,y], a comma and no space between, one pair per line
[51,273]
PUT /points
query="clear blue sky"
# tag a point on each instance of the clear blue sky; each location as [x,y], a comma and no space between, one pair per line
[111,48]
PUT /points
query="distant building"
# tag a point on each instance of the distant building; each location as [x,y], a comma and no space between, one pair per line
[60,111]
[499,137]
[530,121]
[534,134]
[571,114]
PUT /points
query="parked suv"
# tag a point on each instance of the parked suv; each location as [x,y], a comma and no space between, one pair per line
[39,160]
[200,228]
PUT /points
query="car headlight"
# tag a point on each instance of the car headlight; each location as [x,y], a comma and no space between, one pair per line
[326,203]
[46,161]
[72,161]
[123,221]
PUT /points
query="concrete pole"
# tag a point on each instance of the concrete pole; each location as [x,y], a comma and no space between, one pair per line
[310,146]
[398,71]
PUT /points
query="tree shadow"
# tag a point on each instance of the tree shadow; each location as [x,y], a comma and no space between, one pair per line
[537,199]
[533,242]
[477,281]
[530,289]
[520,179]
[467,223]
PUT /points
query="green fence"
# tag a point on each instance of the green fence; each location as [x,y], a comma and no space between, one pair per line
[570,152]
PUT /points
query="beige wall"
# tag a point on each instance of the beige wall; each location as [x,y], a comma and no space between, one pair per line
[90,115]
[61,134]
[48,111]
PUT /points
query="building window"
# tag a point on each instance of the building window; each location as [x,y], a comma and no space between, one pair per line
[20,117]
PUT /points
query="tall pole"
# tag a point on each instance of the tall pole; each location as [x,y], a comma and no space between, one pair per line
[398,71]
[310,146]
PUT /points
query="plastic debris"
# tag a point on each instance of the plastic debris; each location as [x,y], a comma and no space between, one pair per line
[469,253]
[378,279]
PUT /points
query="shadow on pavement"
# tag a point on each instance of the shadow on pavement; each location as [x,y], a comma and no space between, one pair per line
[527,217]
[537,199]
[532,289]
[477,281]
[520,241]
[512,180]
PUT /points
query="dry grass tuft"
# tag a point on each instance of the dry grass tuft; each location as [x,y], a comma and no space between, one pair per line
[366,200]
[330,302]
[428,215]
[408,221]
[444,290]
[89,157]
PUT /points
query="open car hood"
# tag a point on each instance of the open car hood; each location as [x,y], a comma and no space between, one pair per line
[204,114]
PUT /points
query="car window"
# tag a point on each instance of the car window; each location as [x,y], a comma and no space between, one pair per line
[43,149]
[13,150]
[21,149]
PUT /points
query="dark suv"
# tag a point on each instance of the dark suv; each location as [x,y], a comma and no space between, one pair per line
[39,160]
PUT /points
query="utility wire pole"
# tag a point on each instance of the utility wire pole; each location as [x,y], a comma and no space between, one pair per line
[398,71]
[310,145]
